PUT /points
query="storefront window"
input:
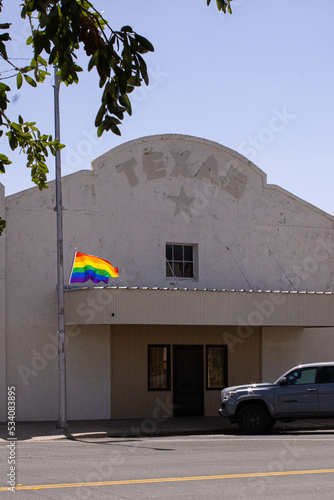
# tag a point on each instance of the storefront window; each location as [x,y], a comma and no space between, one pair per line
[216,366]
[158,367]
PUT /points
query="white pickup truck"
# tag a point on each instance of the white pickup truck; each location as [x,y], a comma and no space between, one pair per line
[305,392]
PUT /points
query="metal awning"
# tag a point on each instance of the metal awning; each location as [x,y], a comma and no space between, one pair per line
[162,306]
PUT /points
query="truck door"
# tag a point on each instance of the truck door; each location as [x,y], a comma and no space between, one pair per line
[299,395]
[326,390]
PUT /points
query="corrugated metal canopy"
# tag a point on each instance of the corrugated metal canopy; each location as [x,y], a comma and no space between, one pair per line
[132,305]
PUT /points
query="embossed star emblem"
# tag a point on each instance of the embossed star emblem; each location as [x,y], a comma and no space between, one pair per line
[182,202]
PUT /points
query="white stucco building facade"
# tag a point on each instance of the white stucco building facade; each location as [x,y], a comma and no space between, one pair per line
[224,279]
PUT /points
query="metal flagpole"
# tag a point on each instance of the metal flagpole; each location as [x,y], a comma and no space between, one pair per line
[62,424]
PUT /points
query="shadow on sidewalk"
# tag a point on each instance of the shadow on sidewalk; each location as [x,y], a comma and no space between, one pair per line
[149,427]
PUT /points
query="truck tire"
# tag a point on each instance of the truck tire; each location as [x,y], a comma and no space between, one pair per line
[253,419]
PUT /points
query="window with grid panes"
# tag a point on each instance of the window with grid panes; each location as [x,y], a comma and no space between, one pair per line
[179,261]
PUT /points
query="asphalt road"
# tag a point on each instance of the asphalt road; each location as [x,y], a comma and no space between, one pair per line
[280,466]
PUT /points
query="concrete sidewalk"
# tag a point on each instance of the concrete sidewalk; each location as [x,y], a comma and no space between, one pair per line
[124,428]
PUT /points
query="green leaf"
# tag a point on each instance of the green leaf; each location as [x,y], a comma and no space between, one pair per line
[224,5]
[4,160]
[5,37]
[100,129]
[127,60]
[125,101]
[19,80]
[93,61]
[12,141]
[100,115]
[30,80]
[143,68]
[46,44]
[52,23]
[114,129]
[25,69]
[42,61]
[38,44]
[3,51]
[129,89]
[53,58]
[144,42]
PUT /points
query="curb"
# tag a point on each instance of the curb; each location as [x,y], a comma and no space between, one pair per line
[118,435]
[124,435]
[135,432]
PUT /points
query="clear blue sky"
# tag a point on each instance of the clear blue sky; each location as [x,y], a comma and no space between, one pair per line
[220,77]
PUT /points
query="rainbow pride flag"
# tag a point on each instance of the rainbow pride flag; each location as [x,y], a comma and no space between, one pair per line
[87,267]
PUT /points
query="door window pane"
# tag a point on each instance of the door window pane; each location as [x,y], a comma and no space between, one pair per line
[302,376]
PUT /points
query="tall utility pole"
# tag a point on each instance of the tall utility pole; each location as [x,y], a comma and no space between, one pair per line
[62,424]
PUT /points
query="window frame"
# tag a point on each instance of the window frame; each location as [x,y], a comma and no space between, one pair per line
[225,366]
[169,262]
[168,367]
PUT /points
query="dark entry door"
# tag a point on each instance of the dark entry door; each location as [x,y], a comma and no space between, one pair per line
[188,378]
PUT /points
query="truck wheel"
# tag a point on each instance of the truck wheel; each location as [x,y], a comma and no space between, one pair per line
[253,419]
